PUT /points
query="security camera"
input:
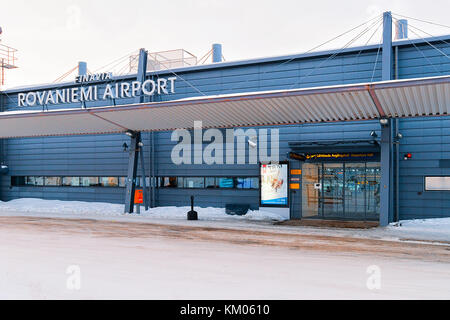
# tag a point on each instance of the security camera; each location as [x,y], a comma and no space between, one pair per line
[130,133]
[252,144]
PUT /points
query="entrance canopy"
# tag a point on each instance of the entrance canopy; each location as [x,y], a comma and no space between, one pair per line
[391,99]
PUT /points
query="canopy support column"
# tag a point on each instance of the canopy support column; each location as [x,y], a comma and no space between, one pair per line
[144,183]
[386,192]
[135,147]
[387,62]
[132,172]
[386,174]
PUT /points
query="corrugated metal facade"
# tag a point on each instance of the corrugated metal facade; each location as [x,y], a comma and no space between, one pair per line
[102,155]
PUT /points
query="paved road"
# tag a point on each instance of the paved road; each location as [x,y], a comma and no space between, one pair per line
[45,258]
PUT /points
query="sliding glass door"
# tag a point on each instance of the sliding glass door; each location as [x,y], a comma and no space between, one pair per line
[341,191]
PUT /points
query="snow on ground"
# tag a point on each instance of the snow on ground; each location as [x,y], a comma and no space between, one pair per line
[412,230]
[51,265]
[36,206]
[42,263]
[437,229]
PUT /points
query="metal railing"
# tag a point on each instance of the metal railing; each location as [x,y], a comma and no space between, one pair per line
[165,60]
[7,61]
[8,57]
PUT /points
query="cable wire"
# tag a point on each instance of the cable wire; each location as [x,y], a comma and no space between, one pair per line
[376,59]
[332,56]
[429,34]
[425,21]
[379,17]
[423,55]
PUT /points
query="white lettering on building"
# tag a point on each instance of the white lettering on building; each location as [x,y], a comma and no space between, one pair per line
[85,93]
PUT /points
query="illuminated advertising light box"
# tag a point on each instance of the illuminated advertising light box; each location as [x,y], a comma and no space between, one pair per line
[354,156]
[274,185]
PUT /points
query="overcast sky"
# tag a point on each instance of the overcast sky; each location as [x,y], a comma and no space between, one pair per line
[52,36]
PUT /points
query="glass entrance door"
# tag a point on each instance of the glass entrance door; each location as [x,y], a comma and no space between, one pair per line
[311,173]
[332,191]
[341,191]
[355,190]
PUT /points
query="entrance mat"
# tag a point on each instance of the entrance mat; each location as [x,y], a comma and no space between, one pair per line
[330,223]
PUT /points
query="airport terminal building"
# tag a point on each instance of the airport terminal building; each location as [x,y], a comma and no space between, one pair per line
[363,133]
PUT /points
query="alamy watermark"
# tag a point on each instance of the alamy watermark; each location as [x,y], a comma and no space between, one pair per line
[73,282]
[228,146]
[73,21]
[374,280]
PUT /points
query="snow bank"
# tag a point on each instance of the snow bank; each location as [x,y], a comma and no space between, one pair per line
[39,206]
[412,230]
[439,228]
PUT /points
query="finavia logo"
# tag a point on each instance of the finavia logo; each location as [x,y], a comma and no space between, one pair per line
[239,146]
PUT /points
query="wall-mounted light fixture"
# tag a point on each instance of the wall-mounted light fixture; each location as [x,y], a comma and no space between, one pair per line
[4,169]
[373,134]
[125,147]
[384,122]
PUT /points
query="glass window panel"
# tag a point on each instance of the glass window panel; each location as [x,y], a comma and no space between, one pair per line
[247,183]
[194,183]
[71,181]
[311,187]
[109,181]
[138,181]
[89,182]
[332,191]
[373,176]
[210,182]
[180,182]
[241,183]
[254,184]
[355,190]
[122,182]
[29,181]
[34,181]
[17,181]
[52,181]
[170,182]
[226,183]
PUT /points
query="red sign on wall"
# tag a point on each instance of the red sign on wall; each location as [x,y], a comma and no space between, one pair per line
[139,196]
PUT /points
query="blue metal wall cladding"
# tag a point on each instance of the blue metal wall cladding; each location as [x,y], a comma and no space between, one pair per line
[102,155]
[428,140]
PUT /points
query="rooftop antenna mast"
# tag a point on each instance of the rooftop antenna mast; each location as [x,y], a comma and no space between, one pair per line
[7,59]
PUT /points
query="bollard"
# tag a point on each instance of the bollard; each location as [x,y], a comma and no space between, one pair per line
[192,215]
